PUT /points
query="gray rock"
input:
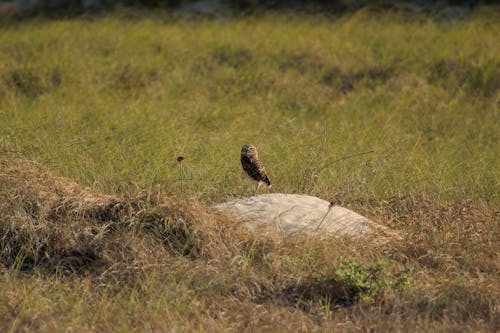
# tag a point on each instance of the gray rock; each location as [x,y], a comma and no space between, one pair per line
[303,213]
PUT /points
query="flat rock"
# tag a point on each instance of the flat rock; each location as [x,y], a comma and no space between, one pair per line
[302,213]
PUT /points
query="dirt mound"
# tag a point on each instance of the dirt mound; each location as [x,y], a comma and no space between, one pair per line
[31,192]
[53,223]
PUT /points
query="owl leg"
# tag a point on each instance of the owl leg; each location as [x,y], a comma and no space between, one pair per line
[257,188]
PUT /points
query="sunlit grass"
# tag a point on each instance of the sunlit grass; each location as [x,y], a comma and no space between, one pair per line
[111,103]
[396,117]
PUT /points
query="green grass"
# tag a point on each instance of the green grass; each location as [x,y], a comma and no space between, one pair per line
[111,101]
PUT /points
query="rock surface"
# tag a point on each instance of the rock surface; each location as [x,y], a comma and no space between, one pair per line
[303,213]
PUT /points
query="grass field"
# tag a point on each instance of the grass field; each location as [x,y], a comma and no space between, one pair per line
[396,117]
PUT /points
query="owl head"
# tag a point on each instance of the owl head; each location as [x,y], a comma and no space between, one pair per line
[248,150]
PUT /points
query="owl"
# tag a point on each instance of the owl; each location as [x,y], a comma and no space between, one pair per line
[253,166]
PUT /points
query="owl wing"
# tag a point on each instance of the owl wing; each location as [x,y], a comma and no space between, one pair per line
[255,169]
[265,178]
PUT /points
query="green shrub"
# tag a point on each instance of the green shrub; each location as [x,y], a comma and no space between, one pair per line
[369,282]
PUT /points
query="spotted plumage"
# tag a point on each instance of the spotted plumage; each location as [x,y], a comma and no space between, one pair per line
[253,166]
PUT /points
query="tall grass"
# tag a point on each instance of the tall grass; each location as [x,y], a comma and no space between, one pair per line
[396,117]
[111,102]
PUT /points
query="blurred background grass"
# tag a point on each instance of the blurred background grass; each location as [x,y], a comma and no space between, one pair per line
[112,101]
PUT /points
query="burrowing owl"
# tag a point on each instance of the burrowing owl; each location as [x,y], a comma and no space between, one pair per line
[253,166]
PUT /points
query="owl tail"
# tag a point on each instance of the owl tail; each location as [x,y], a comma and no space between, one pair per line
[267,181]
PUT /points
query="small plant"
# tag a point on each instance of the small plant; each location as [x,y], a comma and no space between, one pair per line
[368,283]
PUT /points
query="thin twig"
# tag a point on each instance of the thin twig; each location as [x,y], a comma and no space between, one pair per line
[324,217]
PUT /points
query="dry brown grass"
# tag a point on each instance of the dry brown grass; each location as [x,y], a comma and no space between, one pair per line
[147,247]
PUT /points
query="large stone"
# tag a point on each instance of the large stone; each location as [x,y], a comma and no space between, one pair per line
[303,213]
